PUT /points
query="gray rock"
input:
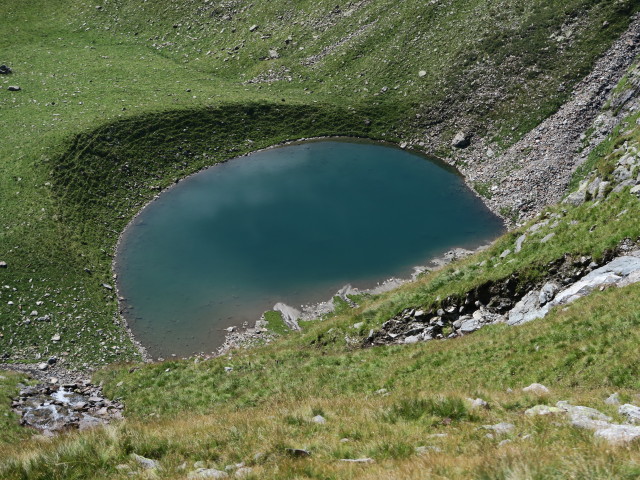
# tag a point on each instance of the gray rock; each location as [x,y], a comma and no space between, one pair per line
[536,388]
[253,28]
[144,462]
[602,189]
[519,242]
[576,198]
[319,419]
[290,315]
[470,325]
[107,286]
[543,410]
[578,411]
[479,403]
[412,339]
[547,238]
[358,460]
[56,338]
[207,473]
[505,254]
[635,190]
[611,273]
[547,292]
[631,412]
[3,264]
[527,309]
[462,139]
[14,88]
[5,70]
[618,434]
[588,423]
[621,174]
[87,422]
[613,399]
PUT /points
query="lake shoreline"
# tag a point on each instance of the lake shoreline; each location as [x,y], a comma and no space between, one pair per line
[316,309]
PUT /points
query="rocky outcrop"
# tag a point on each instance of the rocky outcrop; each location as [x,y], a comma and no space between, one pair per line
[510,300]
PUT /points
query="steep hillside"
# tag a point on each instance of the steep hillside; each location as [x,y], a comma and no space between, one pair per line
[120,99]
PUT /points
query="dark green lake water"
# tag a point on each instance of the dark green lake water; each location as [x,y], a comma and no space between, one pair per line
[290,224]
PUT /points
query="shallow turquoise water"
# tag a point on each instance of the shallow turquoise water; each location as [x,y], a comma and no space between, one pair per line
[290,224]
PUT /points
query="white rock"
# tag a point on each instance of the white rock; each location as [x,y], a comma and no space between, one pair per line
[631,412]
[614,399]
[543,410]
[547,238]
[319,419]
[619,434]
[146,463]
[519,242]
[422,73]
[536,388]
[56,338]
[479,403]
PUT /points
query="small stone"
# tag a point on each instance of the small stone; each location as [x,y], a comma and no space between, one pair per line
[547,238]
[13,88]
[319,419]
[3,264]
[422,73]
[144,462]
[519,243]
[5,70]
[253,28]
[536,388]
[505,254]
[228,369]
[43,366]
[358,325]
[56,338]
[358,460]
[543,410]
[53,380]
[479,403]
[613,399]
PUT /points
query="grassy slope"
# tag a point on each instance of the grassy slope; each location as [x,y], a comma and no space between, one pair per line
[83,68]
[92,164]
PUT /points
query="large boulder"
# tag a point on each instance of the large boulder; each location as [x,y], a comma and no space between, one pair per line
[462,139]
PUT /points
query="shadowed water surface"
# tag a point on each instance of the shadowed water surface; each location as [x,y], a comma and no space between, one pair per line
[289,224]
